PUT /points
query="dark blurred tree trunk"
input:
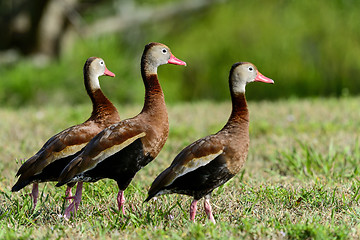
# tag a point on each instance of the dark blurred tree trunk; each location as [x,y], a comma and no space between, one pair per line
[37,27]
[52,26]
[19,24]
[34,26]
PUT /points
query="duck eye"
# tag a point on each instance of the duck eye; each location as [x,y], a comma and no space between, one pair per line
[164,51]
[250,69]
[102,63]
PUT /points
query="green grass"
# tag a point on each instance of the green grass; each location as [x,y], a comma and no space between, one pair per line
[301,179]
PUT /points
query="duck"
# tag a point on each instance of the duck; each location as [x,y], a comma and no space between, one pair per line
[213,160]
[47,164]
[121,150]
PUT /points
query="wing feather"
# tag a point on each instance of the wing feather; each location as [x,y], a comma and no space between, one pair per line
[61,145]
[194,156]
[108,142]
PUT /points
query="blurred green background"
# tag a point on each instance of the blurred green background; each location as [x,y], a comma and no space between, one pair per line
[309,48]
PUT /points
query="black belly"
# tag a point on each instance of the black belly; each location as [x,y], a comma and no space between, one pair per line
[203,180]
[121,166]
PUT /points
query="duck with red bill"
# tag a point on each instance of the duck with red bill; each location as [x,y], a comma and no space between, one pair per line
[213,160]
[123,149]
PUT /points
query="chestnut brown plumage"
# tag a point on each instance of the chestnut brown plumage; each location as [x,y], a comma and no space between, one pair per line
[121,150]
[211,161]
[49,161]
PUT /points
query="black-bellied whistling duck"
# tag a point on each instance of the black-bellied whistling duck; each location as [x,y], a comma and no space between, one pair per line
[50,160]
[211,161]
[121,150]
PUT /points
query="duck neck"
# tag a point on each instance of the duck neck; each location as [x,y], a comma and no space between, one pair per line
[154,103]
[239,114]
[102,107]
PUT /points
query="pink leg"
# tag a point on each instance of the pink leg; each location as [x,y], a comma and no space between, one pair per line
[193,208]
[68,193]
[73,207]
[35,193]
[208,210]
[120,201]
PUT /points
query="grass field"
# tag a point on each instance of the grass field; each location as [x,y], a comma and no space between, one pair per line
[301,179]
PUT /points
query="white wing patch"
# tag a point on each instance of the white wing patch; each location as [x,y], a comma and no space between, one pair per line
[69,150]
[116,148]
[194,164]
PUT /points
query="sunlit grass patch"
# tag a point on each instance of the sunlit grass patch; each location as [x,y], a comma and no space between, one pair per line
[305,161]
[301,179]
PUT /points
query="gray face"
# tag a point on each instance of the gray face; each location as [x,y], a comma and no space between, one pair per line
[96,69]
[243,74]
[157,55]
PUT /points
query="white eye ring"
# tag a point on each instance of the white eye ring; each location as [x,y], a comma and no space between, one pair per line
[102,62]
[250,69]
[164,51]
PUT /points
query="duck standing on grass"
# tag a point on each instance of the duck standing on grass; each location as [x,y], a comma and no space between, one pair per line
[47,164]
[121,150]
[211,161]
